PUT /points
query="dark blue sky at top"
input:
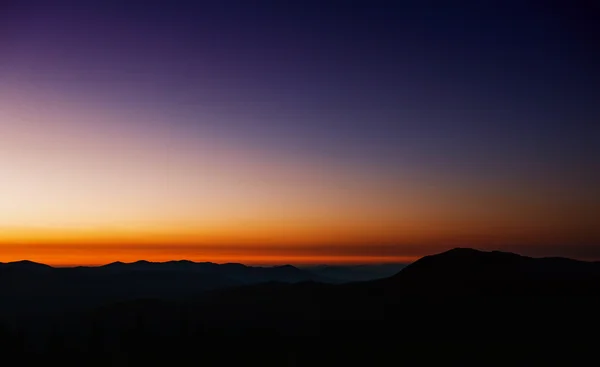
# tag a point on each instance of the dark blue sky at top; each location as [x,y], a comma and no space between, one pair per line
[502,87]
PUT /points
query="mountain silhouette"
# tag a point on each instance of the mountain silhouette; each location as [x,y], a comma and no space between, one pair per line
[460,263]
[24,265]
[27,286]
[159,313]
[471,271]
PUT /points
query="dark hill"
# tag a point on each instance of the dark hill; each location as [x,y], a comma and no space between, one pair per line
[469,271]
[24,265]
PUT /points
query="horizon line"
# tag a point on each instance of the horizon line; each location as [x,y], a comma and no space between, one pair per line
[296,261]
[249,264]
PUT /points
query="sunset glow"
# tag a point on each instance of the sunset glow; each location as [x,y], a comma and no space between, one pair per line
[105,156]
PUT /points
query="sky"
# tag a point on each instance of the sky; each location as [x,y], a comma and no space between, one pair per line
[297,132]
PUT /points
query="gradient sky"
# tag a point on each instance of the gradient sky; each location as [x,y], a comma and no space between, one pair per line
[297,132]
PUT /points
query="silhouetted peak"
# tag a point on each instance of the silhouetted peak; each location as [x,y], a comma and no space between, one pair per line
[122,266]
[459,259]
[27,264]
[461,251]
[183,262]
[116,263]
[470,265]
[469,253]
[465,254]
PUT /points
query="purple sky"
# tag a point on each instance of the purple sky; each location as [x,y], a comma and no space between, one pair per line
[457,117]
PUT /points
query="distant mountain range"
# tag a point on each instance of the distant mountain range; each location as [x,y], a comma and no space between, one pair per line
[177,312]
[28,285]
[235,273]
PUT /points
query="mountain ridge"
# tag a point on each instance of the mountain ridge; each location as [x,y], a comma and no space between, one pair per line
[428,301]
[476,272]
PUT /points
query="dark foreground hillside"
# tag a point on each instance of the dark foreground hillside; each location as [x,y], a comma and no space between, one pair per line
[496,307]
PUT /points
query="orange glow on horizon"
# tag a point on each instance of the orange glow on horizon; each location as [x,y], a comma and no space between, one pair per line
[246,260]
[81,186]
